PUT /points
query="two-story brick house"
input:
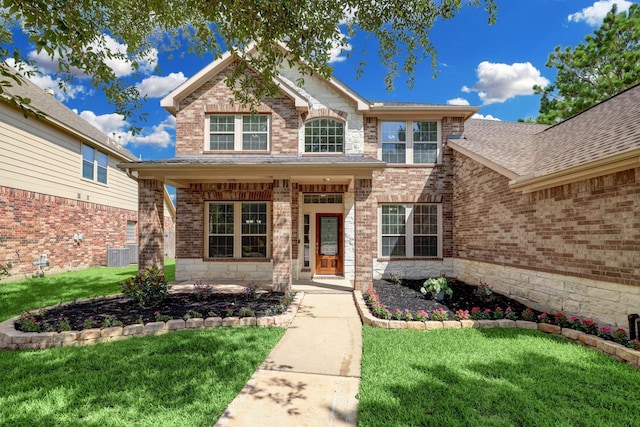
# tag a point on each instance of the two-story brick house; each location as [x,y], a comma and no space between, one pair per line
[319,181]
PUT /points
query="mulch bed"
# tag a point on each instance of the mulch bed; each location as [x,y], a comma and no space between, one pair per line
[177,305]
[407,296]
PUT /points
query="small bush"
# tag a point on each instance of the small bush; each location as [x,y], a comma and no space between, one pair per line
[148,288]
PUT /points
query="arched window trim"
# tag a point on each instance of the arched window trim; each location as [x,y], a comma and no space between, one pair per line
[331,141]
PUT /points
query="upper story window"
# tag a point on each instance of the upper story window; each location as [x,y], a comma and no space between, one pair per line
[418,146]
[94,164]
[324,136]
[239,132]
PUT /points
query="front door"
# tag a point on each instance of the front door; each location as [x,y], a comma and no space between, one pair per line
[329,244]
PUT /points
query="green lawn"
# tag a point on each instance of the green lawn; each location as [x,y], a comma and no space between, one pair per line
[491,377]
[23,295]
[185,378]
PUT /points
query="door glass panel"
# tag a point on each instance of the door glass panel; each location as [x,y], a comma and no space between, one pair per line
[328,235]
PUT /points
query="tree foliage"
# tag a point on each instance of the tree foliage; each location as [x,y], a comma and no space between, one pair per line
[74,33]
[606,63]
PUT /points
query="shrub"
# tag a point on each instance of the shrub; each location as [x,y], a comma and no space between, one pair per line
[27,322]
[435,286]
[561,320]
[529,315]
[510,314]
[634,344]
[148,288]
[484,292]
[395,278]
[247,312]
[202,290]
[421,316]
[250,291]
[543,318]
[498,313]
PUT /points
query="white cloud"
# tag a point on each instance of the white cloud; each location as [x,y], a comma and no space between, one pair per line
[158,86]
[458,101]
[594,14]
[483,117]
[63,91]
[500,82]
[116,127]
[121,67]
[336,52]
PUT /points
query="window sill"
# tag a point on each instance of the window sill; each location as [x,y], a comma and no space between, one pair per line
[218,152]
[237,260]
[422,258]
[414,165]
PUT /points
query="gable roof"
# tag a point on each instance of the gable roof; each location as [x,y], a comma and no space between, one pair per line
[172,100]
[602,139]
[60,116]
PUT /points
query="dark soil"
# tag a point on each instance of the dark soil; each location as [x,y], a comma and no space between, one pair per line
[123,311]
[407,296]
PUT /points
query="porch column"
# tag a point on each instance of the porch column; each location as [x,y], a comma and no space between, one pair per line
[281,235]
[366,233]
[150,224]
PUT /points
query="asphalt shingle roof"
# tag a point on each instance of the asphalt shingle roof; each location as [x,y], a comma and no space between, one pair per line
[55,111]
[608,128]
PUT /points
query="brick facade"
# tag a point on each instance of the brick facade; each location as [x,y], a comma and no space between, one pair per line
[214,97]
[34,224]
[151,226]
[281,234]
[588,230]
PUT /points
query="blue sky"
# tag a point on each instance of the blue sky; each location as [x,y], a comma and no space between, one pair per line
[493,67]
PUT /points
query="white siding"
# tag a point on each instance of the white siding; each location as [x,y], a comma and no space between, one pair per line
[40,158]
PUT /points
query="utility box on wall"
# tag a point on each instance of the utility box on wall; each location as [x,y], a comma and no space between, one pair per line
[118,257]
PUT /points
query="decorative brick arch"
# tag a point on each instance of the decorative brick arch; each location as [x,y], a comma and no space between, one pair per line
[325,113]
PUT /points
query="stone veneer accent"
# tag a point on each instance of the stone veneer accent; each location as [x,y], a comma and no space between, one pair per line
[34,223]
[611,348]
[572,248]
[11,339]
[606,303]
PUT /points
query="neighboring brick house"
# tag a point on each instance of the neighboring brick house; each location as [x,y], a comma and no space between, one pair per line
[320,181]
[551,215]
[61,193]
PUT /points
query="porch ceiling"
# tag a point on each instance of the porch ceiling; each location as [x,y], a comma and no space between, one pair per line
[181,172]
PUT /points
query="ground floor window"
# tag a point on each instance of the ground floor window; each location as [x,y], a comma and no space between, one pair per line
[131,232]
[237,229]
[410,230]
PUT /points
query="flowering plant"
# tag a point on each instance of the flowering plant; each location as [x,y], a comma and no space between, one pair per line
[619,336]
[604,332]
[575,323]
[27,322]
[484,292]
[510,314]
[498,313]
[461,315]
[407,315]
[250,291]
[561,320]
[439,314]
[543,318]
[476,313]
[589,326]
[421,316]
[528,315]
[397,314]
[634,344]
[202,291]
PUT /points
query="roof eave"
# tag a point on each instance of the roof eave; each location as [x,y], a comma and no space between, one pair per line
[536,181]
[444,110]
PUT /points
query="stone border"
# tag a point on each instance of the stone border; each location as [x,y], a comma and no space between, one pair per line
[611,348]
[11,339]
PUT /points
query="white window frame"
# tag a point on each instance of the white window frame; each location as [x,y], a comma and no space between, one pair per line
[319,119]
[409,232]
[238,132]
[409,142]
[237,229]
[132,234]
[97,165]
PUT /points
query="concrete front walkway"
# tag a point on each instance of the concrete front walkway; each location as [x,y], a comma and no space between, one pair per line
[311,376]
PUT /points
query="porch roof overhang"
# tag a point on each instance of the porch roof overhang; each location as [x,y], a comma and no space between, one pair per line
[183,171]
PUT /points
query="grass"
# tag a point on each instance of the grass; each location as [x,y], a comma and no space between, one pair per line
[185,378]
[491,377]
[28,294]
